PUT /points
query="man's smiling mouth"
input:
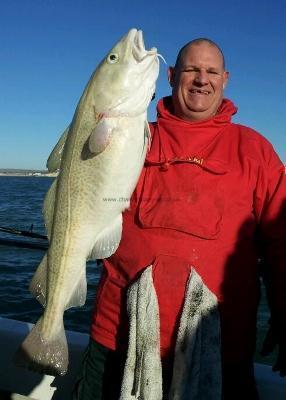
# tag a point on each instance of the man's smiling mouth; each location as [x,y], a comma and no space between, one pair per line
[199,91]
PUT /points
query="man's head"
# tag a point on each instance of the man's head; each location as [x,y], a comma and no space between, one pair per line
[198,80]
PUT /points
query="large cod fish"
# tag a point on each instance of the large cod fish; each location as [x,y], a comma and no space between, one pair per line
[100,157]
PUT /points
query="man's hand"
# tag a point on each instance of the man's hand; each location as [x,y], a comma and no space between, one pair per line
[275,337]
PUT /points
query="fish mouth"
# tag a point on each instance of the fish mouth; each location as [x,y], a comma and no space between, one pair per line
[138,47]
[142,67]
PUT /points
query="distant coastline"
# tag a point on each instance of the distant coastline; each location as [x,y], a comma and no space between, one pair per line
[26,172]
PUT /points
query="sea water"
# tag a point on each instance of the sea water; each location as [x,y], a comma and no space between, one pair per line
[21,200]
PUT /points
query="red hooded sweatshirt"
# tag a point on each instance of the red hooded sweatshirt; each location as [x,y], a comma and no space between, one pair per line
[207,189]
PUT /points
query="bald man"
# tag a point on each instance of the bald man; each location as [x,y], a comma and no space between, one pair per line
[210,201]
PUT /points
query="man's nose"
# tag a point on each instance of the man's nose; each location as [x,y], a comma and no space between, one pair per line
[202,77]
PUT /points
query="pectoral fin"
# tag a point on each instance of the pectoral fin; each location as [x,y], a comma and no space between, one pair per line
[108,240]
[100,136]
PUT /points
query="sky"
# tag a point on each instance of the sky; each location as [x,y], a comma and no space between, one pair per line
[49,48]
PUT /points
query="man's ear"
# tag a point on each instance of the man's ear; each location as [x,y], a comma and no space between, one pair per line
[171,76]
[225,78]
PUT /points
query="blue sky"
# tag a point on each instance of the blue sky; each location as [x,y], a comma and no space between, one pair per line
[49,49]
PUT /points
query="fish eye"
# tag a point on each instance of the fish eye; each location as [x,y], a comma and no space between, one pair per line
[112,58]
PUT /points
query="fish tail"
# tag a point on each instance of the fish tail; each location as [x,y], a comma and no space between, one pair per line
[44,355]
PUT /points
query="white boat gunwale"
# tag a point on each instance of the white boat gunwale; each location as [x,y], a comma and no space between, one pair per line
[22,383]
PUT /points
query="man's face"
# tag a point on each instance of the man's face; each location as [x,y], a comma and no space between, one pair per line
[198,82]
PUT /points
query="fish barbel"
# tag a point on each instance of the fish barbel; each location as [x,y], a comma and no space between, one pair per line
[99,157]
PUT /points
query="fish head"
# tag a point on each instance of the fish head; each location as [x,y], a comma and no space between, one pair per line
[124,82]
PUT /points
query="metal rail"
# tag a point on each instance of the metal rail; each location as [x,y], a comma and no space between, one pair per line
[40,244]
[29,233]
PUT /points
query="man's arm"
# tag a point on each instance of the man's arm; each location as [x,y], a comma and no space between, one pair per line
[271,196]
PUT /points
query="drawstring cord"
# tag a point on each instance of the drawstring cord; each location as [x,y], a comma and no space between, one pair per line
[164,165]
